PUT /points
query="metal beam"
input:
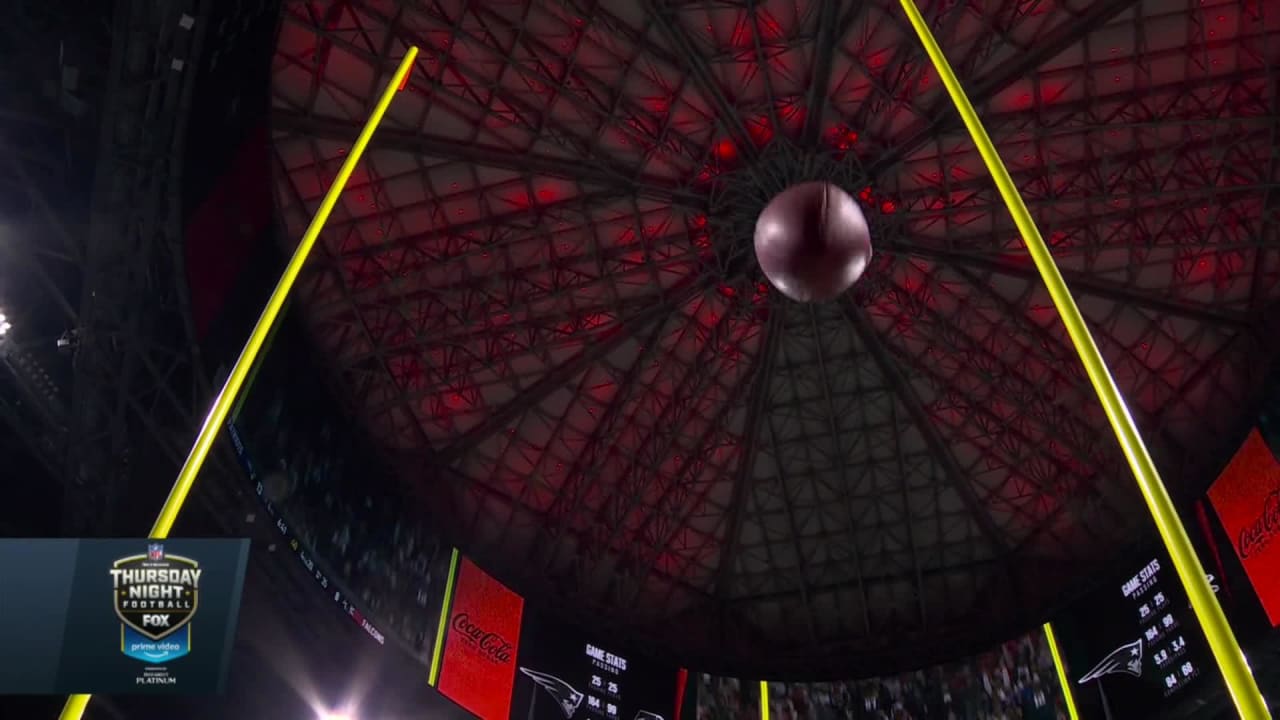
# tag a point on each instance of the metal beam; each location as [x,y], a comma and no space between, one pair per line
[54,220]
[1047,340]
[945,118]
[571,491]
[937,445]
[361,325]
[619,180]
[139,158]
[691,385]
[1270,198]
[890,577]
[908,521]
[556,378]
[690,462]
[759,395]
[586,148]
[845,489]
[45,447]
[695,62]
[829,33]
[802,566]
[1079,282]
[531,574]
[1087,165]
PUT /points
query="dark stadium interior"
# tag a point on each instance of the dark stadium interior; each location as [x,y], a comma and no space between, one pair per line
[534,332]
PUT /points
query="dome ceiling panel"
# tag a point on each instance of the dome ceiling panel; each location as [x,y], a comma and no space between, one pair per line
[540,282]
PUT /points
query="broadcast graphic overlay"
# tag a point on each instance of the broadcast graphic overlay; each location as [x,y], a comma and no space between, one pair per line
[1133,648]
[118,616]
[156,595]
[567,675]
[1246,498]
[478,664]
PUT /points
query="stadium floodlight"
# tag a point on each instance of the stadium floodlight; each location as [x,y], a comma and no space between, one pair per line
[345,711]
[5,325]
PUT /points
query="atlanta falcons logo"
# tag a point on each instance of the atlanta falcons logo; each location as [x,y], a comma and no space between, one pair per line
[566,696]
[1125,659]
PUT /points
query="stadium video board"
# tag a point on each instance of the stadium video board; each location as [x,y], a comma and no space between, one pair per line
[727,698]
[1246,498]
[564,674]
[1134,646]
[503,661]
[1013,679]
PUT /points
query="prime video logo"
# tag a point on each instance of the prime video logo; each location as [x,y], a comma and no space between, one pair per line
[162,648]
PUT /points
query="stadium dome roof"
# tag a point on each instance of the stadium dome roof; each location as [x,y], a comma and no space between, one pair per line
[539,294]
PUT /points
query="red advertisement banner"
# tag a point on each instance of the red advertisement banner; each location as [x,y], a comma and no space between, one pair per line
[479,663]
[1246,497]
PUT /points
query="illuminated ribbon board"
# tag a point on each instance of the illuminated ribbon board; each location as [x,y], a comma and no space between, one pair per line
[299,549]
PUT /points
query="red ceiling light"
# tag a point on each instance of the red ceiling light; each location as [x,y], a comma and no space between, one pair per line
[760,130]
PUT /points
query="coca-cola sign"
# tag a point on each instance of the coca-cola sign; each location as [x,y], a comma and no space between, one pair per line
[1255,536]
[483,643]
[1246,497]
[489,643]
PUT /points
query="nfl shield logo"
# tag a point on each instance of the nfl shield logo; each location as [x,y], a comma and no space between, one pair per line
[155,551]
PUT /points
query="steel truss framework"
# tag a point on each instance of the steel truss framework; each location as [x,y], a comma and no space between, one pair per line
[46,117]
[540,286]
[104,362]
[138,381]
[94,370]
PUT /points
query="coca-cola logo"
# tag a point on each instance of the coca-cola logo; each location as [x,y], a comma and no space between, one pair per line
[1258,534]
[489,643]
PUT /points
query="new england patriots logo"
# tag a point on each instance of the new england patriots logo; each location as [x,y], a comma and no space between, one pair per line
[566,696]
[1125,659]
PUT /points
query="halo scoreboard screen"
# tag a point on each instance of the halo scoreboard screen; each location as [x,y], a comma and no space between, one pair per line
[561,673]
[1134,646]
